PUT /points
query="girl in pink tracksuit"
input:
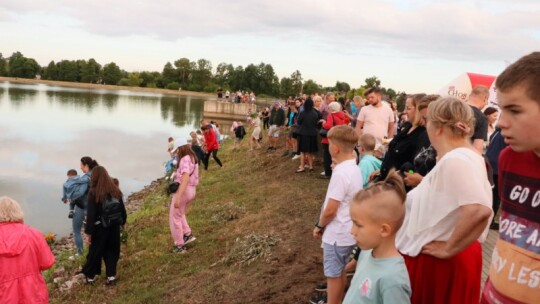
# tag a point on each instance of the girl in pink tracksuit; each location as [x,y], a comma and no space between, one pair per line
[187,175]
[24,253]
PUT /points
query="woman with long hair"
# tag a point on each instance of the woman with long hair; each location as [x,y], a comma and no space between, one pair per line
[447,214]
[80,200]
[104,241]
[187,175]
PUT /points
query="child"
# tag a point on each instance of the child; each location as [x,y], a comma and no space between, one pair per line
[513,275]
[170,146]
[377,214]
[335,224]
[239,134]
[169,165]
[368,162]
[256,134]
[71,190]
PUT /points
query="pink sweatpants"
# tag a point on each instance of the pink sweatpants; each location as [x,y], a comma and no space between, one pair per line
[177,216]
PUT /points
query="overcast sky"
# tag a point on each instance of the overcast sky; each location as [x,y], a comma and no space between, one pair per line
[412,46]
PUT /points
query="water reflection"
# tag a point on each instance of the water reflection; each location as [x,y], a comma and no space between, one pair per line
[45,130]
[182,110]
[20,96]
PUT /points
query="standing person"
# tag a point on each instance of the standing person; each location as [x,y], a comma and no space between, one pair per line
[276,121]
[491,114]
[104,241]
[256,134]
[377,214]
[336,117]
[227,95]
[334,224]
[307,135]
[219,93]
[376,119]
[266,118]
[368,162]
[187,175]
[515,265]
[356,105]
[447,214]
[211,143]
[196,146]
[478,100]
[80,197]
[494,149]
[24,253]
[292,143]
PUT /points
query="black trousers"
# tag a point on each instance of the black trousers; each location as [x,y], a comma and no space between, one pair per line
[214,155]
[327,160]
[199,152]
[105,245]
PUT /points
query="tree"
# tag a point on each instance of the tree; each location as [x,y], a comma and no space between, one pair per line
[311,87]
[223,74]
[3,66]
[201,75]
[89,72]
[286,87]
[68,70]
[184,68]
[372,82]
[150,79]
[400,100]
[111,73]
[133,80]
[237,78]
[342,87]
[20,66]
[50,72]
[169,74]
[296,78]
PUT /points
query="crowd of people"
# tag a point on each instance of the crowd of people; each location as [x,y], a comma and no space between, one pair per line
[411,196]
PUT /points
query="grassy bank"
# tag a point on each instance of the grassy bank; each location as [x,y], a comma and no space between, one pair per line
[253,221]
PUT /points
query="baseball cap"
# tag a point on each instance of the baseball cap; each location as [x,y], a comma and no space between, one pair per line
[179,142]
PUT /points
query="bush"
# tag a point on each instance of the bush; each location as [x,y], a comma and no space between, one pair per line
[173,86]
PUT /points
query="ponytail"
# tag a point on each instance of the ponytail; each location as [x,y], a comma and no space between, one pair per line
[91,163]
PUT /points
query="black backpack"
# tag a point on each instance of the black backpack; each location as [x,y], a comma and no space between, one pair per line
[111,213]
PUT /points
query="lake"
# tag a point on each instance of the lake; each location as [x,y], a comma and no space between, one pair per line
[45,130]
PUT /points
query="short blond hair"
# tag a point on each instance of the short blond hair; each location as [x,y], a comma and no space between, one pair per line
[452,113]
[343,136]
[480,91]
[10,211]
[368,142]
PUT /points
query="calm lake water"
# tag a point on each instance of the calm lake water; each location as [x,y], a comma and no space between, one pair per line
[45,130]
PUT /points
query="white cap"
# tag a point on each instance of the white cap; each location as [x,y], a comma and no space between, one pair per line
[179,142]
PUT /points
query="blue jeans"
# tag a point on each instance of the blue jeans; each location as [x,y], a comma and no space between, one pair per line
[77,222]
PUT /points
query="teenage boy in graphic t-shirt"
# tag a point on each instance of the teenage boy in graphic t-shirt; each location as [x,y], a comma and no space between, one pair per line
[514,275]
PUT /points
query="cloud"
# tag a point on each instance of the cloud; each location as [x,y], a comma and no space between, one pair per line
[455,30]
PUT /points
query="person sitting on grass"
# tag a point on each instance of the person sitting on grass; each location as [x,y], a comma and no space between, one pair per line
[377,213]
[335,224]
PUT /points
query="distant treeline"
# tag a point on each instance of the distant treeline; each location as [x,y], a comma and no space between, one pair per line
[183,74]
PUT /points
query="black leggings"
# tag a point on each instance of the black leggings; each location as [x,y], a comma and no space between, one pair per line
[327,160]
[214,155]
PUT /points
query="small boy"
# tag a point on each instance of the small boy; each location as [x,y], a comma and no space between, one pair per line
[70,190]
[514,271]
[377,214]
[368,162]
[239,133]
[335,224]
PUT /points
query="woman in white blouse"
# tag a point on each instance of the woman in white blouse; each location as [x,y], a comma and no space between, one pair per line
[447,213]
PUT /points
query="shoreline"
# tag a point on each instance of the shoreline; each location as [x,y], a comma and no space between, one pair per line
[95,86]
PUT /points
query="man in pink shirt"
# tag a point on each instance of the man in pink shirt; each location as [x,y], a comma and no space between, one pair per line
[376,119]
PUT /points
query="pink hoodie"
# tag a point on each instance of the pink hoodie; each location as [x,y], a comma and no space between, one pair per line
[24,253]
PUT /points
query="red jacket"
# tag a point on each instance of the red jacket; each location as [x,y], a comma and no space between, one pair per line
[210,139]
[24,253]
[334,119]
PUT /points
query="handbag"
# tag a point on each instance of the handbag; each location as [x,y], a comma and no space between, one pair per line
[323,132]
[174,185]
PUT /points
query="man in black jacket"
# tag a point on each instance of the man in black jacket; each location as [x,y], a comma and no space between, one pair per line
[277,121]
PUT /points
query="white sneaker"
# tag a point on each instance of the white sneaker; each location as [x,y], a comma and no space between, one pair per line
[296,156]
[322,173]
